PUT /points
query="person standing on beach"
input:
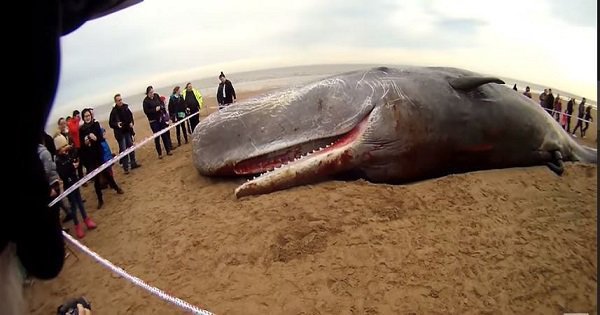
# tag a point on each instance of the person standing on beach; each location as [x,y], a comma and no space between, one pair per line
[66,166]
[74,123]
[47,157]
[90,136]
[580,115]
[177,112]
[543,98]
[193,103]
[588,118]
[121,121]
[62,128]
[514,86]
[549,103]
[569,112]
[155,111]
[527,92]
[226,92]
[557,107]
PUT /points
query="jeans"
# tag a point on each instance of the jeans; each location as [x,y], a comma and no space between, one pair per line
[76,202]
[157,126]
[126,141]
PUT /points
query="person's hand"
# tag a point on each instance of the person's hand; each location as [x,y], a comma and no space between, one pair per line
[93,137]
[53,192]
[157,108]
[82,310]
[131,124]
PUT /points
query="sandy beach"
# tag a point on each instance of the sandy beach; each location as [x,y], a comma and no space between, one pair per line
[512,241]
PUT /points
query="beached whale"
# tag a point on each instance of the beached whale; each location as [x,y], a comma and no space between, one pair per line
[382,124]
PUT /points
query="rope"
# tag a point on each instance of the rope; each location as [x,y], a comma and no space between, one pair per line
[135,280]
[104,262]
[565,113]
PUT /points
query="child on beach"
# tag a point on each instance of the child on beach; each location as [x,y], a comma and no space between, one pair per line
[107,154]
[563,120]
[67,170]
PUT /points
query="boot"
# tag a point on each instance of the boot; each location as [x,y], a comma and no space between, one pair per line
[89,223]
[120,191]
[100,203]
[79,231]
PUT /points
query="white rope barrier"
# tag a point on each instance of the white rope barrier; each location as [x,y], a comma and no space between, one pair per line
[104,262]
[565,113]
[135,280]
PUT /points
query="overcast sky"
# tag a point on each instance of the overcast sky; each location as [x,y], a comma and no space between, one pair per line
[164,42]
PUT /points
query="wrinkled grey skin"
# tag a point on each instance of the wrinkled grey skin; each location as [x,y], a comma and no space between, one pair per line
[419,126]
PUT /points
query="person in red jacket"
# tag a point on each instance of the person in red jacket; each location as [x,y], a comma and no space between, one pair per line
[73,126]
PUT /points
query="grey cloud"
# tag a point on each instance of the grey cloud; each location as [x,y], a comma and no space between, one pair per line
[356,24]
[576,12]
[461,26]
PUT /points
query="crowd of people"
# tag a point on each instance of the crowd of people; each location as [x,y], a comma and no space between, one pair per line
[553,105]
[78,145]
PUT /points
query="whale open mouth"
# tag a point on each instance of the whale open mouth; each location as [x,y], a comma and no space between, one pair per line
[301,163]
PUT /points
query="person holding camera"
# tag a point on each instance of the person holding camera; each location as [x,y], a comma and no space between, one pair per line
[90,135]
[121,121]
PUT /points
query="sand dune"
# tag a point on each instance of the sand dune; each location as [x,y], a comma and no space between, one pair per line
[511,241]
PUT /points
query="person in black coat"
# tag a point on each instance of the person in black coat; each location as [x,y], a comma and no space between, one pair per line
[121,121]
[158,117]
[90,135]
[177,113]
[225,92]
[549,103]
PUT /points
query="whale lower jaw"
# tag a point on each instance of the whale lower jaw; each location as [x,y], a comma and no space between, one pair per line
[331,159]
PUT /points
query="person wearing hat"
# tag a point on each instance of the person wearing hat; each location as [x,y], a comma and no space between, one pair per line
[66,167]
[47,154]
[225,92]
